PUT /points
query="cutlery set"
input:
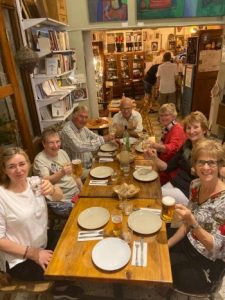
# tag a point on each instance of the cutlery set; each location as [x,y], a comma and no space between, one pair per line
[91,235]
[98,182]
[139,257]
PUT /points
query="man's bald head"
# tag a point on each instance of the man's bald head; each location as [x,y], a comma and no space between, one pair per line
[126,106]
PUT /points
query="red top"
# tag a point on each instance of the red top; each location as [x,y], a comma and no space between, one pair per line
[173,140]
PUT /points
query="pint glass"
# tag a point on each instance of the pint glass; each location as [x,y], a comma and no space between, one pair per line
[168,206]
[77,167]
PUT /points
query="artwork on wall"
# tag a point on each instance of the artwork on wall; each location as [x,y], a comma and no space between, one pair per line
[107,10]
[156,9]
[154,46]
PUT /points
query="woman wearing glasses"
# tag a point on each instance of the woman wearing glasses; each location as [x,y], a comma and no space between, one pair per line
[197,249]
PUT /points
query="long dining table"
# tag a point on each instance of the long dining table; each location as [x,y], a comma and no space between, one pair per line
[148,190]
[72,259]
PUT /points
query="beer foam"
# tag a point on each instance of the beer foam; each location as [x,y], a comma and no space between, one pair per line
[168,201]
[76,161]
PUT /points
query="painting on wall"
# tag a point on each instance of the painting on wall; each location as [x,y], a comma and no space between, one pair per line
[107,10]
[156,9]
[154,46]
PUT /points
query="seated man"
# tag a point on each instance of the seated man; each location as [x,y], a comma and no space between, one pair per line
[127,117]
[78,141]
[54,164]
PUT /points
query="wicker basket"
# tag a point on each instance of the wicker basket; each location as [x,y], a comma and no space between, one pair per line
[27,59]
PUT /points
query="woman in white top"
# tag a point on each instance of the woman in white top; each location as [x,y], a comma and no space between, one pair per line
[23,218]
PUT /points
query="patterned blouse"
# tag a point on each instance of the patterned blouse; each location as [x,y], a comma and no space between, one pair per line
[211,216]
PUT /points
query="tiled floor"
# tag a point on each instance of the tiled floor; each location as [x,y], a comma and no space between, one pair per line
[101,291]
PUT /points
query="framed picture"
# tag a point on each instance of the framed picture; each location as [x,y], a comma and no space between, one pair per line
[154,46]
[180,40]
[107,10]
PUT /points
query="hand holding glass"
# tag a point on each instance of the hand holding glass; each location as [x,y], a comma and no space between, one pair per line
[35,182]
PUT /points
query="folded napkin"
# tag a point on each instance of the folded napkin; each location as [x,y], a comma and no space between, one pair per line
[105,154]
[139,254]
[98,182]
[88,235]
[154,210]
[105,159]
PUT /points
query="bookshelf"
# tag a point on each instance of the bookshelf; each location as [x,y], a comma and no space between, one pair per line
[57,89]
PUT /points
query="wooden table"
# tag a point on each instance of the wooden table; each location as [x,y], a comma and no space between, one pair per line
[148,190]
[72,259]
[99,124]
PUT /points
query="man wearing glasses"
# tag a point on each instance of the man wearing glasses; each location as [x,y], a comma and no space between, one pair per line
[127,117]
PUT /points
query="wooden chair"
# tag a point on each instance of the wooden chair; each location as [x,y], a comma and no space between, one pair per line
[34,288]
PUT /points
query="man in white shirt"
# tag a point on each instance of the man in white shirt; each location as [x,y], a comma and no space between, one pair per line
[127,117]
[166,80]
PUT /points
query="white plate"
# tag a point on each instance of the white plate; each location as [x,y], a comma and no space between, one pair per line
[139,148]
[144,222]
[132,140]
[108,147]
[145,174]
[93,217]
[101,172]
[111,254]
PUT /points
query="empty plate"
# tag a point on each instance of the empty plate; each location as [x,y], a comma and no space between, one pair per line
[144,222]
[145,174]
[108,147]
[93,217]
[101,172]
[111,254]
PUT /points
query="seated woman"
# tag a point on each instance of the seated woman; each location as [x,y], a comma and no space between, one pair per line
[179,166]
[24,220]
[173,136]
[197,248]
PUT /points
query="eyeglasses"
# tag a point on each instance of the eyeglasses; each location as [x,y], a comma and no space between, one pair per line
[210,163]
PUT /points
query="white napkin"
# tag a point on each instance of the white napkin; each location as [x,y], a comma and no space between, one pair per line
[105,154]
[86,235]
[154,210]
[105,159]
[141,254]
[98,182]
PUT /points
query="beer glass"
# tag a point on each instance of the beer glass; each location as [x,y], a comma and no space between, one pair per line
[117,219]
[35,183]
[168,206]
[77,167]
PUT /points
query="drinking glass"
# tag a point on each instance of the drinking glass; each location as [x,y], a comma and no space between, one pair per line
[128,207]
[122,200]
[114,177]
[112,130]
[127,235]
[35,182]
[77,167]
[117,219]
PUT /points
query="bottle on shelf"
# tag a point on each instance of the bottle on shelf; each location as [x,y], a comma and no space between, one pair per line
[126,139]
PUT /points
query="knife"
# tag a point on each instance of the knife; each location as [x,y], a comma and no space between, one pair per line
[90,236]
[142,250]
[91,232]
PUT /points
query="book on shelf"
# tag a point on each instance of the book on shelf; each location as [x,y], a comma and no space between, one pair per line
[58,109]
[52,65]
[45,113]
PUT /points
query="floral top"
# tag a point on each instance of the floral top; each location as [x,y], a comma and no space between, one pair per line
[211,216]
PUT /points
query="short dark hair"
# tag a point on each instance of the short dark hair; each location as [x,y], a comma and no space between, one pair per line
[48,132]
[167,56]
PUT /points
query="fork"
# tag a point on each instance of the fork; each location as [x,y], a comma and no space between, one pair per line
[136,258]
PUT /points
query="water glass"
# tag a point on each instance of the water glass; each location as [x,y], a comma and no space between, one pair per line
[125,167]
[35,182]
[122,200]
[127,235]
[114,177]
[128,207]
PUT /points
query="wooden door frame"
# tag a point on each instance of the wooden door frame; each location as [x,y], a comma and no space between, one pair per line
[12,89]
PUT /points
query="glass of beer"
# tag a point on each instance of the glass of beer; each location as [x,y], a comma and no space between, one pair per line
[117,220]
[77,167]
[168,206]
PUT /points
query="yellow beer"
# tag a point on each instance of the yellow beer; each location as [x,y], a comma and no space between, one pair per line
[168,206]
[77,167]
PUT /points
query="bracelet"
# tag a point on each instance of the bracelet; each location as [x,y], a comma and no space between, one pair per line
[25,253]
[194,226]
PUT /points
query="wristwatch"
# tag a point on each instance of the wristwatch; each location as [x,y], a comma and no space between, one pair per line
[194,226]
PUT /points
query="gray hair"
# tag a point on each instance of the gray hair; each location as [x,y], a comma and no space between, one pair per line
[80,108]
[168,108]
